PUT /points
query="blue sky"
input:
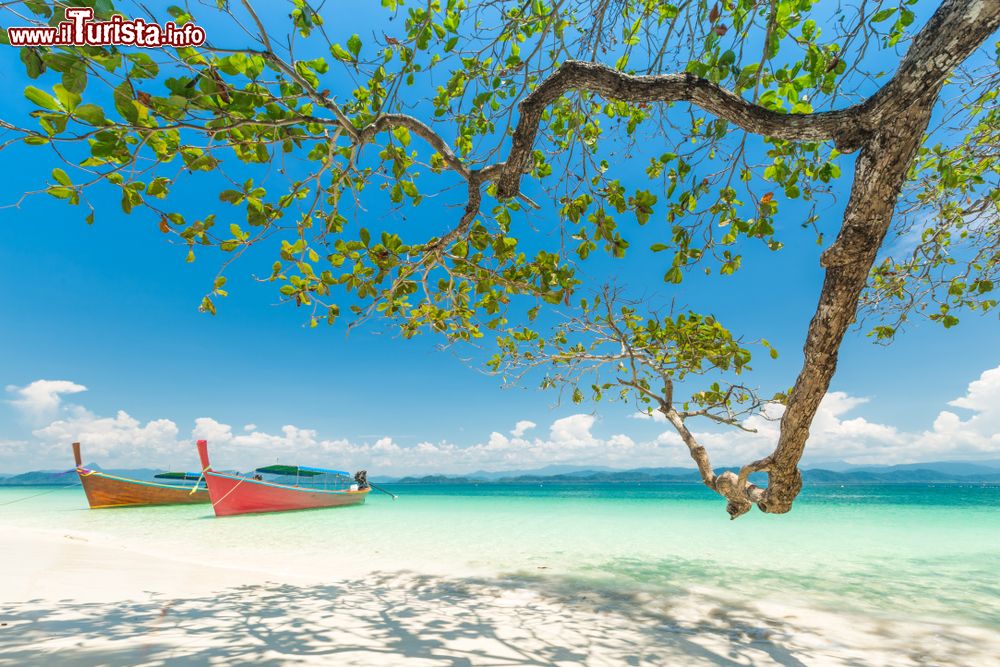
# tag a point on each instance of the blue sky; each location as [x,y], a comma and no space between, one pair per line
[113,307]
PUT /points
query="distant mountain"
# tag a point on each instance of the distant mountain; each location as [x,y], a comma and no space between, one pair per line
[689,475]
[830,473]
[547,471]
[492,476]
[442,479]
[948,467]
[897,476]
[65,477]
[40,478]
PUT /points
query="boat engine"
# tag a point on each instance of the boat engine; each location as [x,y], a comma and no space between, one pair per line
[361,477]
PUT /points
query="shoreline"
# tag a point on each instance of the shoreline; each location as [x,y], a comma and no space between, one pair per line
[462,481]
[78,598]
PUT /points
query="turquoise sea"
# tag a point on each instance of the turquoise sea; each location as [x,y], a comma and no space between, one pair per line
[926,552]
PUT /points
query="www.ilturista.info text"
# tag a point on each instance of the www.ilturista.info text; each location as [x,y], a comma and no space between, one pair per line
[80,29]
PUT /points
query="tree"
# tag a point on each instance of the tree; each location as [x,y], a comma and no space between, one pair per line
[741,99]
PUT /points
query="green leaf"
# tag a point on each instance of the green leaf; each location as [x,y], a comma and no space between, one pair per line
[354,45]
[41,98]
[67,98]
[339,53]
[124,103]
[883,14]
[61,192]
[157,187]
[143,67]
[61,176]
[402,134]
[75,78]
[207,306]
[90,113]
[32,63]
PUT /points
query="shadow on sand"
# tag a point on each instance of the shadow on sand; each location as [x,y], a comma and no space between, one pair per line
[402,618]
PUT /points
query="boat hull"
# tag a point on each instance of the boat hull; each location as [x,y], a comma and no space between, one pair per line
[104,491]
[232,495]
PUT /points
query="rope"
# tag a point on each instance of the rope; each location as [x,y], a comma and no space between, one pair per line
[200,477]
[35,495]
[216,502]
[379,488]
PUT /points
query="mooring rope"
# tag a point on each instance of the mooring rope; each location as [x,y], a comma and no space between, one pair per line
[378,488]
[42,493]
[216,502]
[200,477]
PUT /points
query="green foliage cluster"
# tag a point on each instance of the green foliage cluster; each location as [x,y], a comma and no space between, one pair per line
[951,221]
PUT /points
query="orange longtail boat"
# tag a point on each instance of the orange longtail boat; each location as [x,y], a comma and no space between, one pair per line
[104,490]
[301,488]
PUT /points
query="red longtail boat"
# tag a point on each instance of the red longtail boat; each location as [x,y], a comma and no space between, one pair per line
[299,488]
[104,490]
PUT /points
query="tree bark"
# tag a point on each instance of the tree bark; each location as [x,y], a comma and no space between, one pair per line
[878,176]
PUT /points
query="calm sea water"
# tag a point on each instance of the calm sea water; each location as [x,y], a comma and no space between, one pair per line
[926,551]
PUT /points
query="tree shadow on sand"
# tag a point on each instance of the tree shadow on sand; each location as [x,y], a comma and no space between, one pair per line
[404,618]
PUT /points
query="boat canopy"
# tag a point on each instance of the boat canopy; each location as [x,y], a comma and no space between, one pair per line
[301,471]
[190,476]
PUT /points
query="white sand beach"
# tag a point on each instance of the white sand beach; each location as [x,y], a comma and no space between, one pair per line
[82,599]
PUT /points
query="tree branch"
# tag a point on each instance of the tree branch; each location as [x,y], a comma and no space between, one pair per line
[841,126]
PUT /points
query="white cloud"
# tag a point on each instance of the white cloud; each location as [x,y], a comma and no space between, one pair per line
[123,441]
[983,394]
[206,428]
[573,431]
[834,435]
[655,416]
[975,437]
[13,454]
[522,427]
[42,398]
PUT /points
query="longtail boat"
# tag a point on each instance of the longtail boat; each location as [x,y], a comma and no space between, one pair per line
[299,488]
[104,490]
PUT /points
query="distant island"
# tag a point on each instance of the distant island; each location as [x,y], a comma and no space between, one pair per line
[690,476]
[937,472]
